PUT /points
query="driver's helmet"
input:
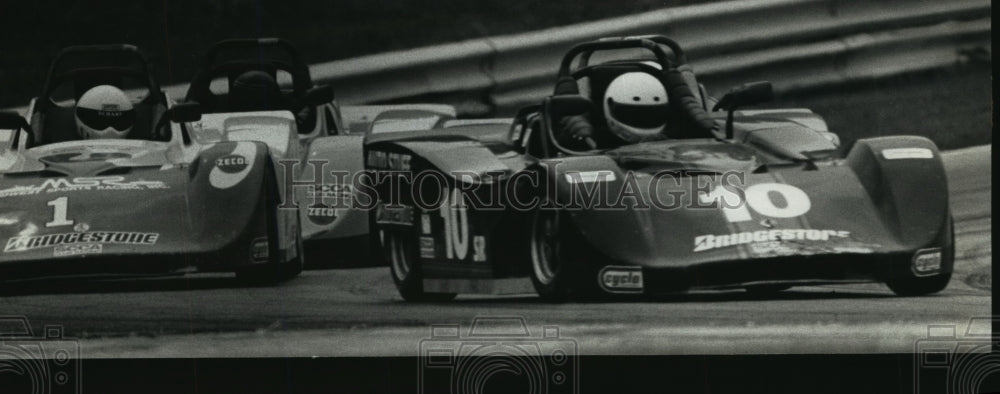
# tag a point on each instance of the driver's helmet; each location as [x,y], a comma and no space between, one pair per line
[255,91]
[104,112]
[635,106]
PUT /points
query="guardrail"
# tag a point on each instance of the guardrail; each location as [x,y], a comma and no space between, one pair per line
[797,44]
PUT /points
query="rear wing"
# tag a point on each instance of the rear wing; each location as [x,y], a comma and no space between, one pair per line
[359,119]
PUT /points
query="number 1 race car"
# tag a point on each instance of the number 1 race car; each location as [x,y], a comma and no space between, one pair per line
[161,200]
[719,199]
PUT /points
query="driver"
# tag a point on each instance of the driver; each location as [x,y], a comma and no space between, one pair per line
[635,109]
[104,112]
[255,91]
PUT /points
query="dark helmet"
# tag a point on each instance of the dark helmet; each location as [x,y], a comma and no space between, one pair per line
[255,91]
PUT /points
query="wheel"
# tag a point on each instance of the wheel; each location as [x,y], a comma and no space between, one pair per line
[766,289]
[907,285]
[275,271]
[560,270]
[401,253]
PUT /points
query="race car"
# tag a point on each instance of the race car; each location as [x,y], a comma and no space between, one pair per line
[256,83]
[629,179]
[103,180]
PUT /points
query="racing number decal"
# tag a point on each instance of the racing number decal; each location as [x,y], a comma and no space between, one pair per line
[59,212]
[456,225]
[758,198]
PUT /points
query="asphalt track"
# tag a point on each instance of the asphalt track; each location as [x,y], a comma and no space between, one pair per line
[356,312]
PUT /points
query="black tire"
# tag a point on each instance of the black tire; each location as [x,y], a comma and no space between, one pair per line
[275,271]
[404,264]
[560,267]
[765,290]
[914,286]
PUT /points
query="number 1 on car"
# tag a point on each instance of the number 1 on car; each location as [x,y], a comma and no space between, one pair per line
[59,212]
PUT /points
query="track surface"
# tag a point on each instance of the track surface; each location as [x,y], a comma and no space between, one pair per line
[357,311]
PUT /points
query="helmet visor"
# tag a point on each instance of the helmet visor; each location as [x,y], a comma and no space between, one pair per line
[639,116]
[101,119]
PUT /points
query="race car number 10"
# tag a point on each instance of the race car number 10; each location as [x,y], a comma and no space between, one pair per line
[456,224]
[760,198]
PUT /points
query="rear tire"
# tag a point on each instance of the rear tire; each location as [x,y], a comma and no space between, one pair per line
[404,263]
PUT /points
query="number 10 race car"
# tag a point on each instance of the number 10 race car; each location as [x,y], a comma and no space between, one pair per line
[712,198]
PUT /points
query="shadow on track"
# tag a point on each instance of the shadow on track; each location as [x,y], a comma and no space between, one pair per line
[696,297]
[118,285]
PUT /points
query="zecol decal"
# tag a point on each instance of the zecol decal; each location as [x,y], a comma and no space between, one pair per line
[230,169]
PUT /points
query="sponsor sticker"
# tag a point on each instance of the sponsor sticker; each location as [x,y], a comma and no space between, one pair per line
[394,214]
[621,279]
[321,215]
[389,160]
[927,262]
[425,224]
[334,191]
[26,243]
[75,250]
[231,164]
[231,169]
[478,248]
[590,176]
[259,250]
[907,153]
[427,247]
[101,183]
[765,240]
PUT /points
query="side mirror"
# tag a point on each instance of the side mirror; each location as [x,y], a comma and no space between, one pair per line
[12,121]
[184,112]
[741,96]
[18,125]
[319,95]
[180,113]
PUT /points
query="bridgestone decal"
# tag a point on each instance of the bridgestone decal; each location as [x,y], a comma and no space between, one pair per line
[21,244]
[708,242]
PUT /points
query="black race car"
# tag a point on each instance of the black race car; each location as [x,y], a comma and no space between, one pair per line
[720,198]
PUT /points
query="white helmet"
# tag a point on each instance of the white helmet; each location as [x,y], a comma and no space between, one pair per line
[104,112]
[635,106]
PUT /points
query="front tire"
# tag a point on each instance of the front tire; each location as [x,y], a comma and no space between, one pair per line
[400,251]
[559,271]
[907,285]
[275,271]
